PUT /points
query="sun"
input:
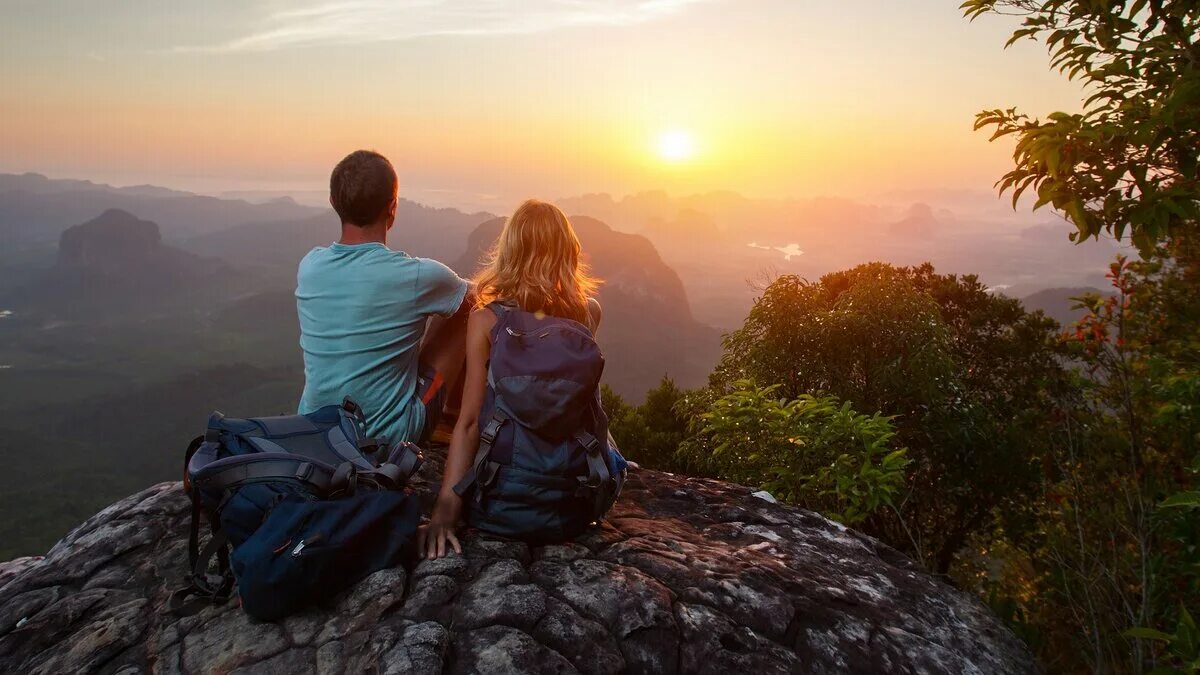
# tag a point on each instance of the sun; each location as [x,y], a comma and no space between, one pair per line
[676,145]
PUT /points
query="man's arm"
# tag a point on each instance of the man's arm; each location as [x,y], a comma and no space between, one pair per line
[439,291]
[436,321]
[444,345]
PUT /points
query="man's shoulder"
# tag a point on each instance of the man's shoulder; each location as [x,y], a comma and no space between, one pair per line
[316,253]
[435,265]
[367,260]
[312,260]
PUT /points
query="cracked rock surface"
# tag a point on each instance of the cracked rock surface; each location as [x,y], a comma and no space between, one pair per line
[685,575]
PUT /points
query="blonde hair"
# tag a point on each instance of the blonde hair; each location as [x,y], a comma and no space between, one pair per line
[535,263]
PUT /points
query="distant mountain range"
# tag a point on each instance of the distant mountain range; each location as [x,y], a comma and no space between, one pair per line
[419,230]
[1059,303]
[34,210]
[120,261]
[118,246]
[725,246]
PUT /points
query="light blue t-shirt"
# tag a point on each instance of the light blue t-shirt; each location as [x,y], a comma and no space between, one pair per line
[363,309]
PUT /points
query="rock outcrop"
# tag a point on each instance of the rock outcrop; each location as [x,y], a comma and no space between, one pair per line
[115,265]
[118,246]
[685,576]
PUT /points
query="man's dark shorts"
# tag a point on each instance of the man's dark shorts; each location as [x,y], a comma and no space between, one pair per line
[431,387]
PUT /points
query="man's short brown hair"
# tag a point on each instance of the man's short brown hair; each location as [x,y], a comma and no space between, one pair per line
[362,187]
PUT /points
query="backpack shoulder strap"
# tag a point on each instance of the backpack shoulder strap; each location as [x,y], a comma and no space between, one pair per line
[483,471]
[501,308]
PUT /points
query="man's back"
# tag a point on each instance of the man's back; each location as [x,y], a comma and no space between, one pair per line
[363,310]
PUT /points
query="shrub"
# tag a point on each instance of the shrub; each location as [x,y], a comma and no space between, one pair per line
[812,450]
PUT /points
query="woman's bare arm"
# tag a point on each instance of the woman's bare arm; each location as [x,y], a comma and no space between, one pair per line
[433,538]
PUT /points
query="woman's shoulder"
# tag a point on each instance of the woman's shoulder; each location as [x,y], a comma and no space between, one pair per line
[594,313]
[481,317]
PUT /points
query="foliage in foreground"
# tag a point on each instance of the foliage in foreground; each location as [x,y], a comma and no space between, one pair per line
[1183,646]
[1127,163]
[1117,543]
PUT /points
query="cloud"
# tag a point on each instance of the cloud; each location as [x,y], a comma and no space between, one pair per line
[363,21]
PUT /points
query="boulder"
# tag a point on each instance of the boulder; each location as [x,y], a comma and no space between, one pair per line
[686,575]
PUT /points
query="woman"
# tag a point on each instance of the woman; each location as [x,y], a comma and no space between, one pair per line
[533,268]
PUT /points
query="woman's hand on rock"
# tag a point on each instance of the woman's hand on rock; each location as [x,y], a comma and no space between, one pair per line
[433,537]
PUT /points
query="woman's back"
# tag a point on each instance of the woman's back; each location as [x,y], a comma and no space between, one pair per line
[530,447]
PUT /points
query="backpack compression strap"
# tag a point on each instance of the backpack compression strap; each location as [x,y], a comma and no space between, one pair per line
[206,593]
[483,471]
[272,466]
[371,446]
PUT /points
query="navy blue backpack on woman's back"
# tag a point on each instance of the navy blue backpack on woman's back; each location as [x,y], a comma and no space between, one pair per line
[545,469]
[300,508]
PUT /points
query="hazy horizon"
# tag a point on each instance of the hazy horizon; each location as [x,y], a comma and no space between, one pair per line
[981,208]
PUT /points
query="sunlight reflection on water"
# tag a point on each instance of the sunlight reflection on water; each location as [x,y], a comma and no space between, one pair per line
[789,251]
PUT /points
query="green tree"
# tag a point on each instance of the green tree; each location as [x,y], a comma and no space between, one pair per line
[1127,161]
[651,433]
[968,375]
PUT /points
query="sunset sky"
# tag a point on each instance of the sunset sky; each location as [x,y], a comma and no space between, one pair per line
[487,100]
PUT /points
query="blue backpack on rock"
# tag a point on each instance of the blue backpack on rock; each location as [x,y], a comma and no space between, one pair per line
[304,504]
[546,467]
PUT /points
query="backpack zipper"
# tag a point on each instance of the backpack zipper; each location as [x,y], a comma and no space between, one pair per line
[299,549]
[545,332]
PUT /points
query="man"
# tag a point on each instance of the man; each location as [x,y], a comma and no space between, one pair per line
[365,308]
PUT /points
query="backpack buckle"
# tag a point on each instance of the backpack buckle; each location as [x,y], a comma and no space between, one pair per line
[304,471]
[345,479]
[353,408]
[598,474]
[488,435]
[589,443]
[484,479]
